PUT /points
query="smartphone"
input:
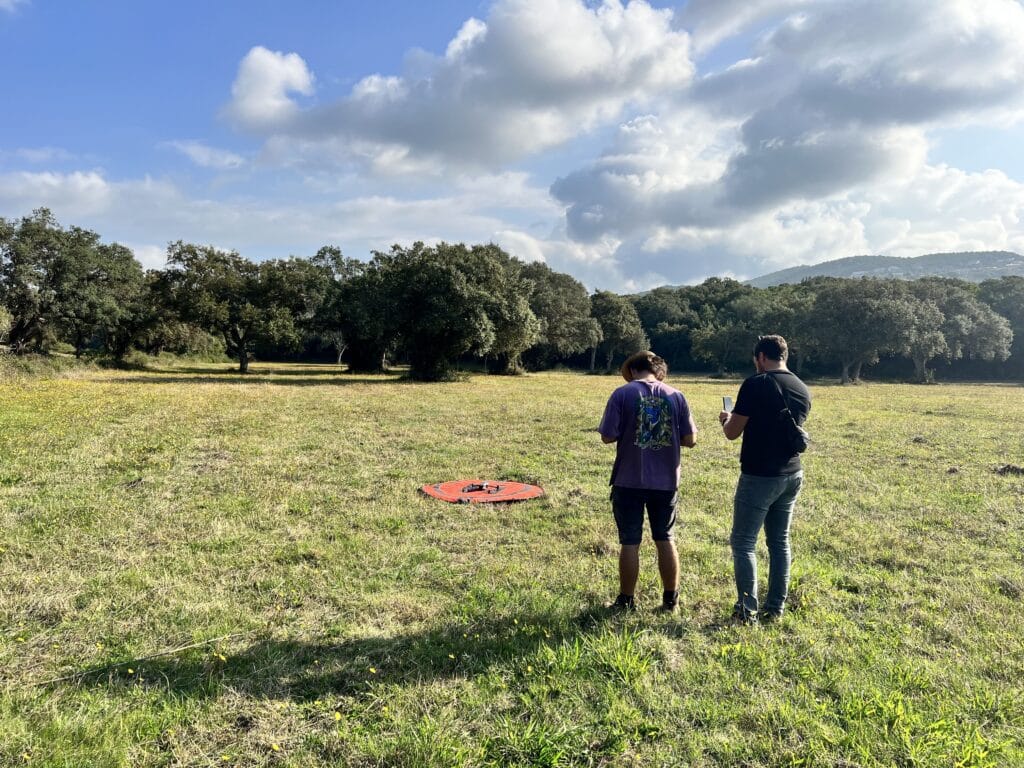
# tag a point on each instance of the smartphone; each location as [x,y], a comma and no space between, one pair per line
[727,404]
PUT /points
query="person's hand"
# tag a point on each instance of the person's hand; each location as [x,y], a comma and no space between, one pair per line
[723,417]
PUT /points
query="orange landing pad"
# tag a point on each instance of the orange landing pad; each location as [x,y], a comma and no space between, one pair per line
[482,491]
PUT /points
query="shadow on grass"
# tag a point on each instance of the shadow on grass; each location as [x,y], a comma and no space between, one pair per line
[255,369]
[310,670]
[292,380]
[308,376]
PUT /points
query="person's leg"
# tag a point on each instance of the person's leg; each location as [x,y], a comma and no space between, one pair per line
[750,505]
[776,533]
[661,511]
[668,565]
[628,508]
[629,569]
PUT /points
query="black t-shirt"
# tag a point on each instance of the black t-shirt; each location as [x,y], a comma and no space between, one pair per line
[764,452]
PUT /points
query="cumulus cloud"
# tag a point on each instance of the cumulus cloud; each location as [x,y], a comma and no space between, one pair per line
[936,209]
[812,143]
[712,21]
[261,94]
[81,193]
[206,156]
[144,211]
[535,74]
[834,103]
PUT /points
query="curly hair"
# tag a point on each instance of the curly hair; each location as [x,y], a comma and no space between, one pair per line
[644,361]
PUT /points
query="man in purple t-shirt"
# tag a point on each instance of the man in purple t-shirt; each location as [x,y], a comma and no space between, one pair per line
[648,421]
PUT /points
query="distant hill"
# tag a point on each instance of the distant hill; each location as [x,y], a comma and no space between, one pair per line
[972,266]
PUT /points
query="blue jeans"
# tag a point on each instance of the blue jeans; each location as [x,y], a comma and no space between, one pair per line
[763,502]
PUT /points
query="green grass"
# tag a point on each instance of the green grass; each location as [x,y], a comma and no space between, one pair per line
[270,526]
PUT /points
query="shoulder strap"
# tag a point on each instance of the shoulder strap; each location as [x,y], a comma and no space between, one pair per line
[782,396]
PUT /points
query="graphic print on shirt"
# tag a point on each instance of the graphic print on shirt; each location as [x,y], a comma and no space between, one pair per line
[653,423]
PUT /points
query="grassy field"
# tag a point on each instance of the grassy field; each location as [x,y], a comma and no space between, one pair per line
[200,569]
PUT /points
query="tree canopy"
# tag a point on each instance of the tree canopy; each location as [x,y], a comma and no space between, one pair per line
[621,331]
[438,307]
[243,302]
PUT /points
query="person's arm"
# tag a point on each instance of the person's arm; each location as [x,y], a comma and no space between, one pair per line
[610,428]
[688,431]
[733,424]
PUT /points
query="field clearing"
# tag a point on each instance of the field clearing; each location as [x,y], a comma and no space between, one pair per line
[270,526]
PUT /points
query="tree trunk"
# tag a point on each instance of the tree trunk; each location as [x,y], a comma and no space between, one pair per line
[608,361]
[21,335]
[846,373]
[238,340]
[341,351]
[798,358]
[921,369]
[509,364]
[365,359]
[856,371]
[593,358]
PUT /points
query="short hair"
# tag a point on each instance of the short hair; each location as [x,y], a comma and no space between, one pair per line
[645,361]
[773,346]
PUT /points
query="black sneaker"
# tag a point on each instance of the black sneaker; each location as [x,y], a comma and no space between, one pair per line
[771,617]
[623,604]
[743,618]
[669,603]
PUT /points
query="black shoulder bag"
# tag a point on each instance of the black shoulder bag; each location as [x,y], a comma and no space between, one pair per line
[796,436]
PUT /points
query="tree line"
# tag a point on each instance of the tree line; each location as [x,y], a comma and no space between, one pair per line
[843,324]
[438,307]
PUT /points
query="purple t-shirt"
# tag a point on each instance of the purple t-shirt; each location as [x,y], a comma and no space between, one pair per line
[647,420]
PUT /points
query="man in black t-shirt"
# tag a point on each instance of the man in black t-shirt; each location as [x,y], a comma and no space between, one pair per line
[770,477]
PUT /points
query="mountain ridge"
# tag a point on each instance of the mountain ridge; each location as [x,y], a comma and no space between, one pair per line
[972,266]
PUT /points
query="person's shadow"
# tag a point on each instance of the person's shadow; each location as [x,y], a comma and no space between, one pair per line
[311,670]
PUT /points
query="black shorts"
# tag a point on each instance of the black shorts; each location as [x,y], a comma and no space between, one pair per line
[628,507]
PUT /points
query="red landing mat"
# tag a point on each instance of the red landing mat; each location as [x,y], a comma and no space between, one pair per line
[482,491]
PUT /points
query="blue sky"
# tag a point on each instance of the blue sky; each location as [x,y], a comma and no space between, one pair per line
[629,144]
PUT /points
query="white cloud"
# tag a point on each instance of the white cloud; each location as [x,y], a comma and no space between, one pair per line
[144,211]
[712,21]
[776,158]
[813,145]
[148,255]
[469,35]
[206,156]
[39,155]
[535,74]
[521,245]
[11,5]
[80,194]
[937,209]
[260,96]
